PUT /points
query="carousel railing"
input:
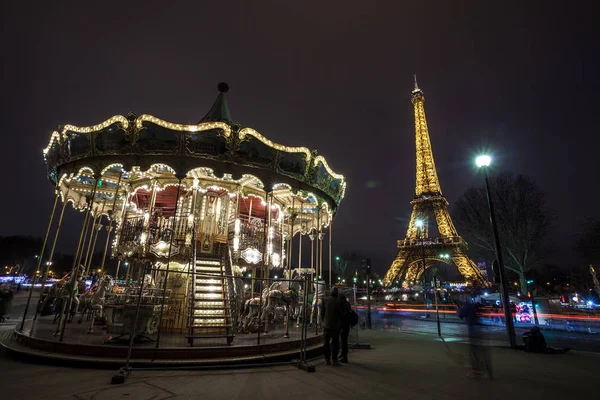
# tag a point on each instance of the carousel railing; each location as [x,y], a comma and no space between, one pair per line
[137,231]
[264,311]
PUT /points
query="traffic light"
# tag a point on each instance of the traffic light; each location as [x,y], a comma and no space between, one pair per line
[368,265]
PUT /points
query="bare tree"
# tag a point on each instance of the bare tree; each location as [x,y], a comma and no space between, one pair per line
[523,222]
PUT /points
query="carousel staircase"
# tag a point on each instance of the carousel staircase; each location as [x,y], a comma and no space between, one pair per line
[210,308]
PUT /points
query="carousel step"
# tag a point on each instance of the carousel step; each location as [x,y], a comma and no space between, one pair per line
[215,316]
[208,274]
[205,283]
[208,296]
[209,313]
[208,281]
[209,291]
[216,325]
[216,307]
[211,326]
[208,304]
[208,260]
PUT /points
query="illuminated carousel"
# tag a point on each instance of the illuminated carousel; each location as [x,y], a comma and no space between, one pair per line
[194,222]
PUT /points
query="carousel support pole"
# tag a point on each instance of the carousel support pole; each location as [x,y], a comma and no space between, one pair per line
[260,310]
[124,372]
[289,269]
[109,229]
[117,272]
[191,293]
[319,274]
[330,239]
[120,228]
[164,289]
[300,257]
[321,250]
[94,222]
[320,246]
[300,243]
[75,267]
[253,282]
[127,272]
[49,262]
[40,258]
[81,243]
[109,226]
[311,235]
[266,254]
[98,227]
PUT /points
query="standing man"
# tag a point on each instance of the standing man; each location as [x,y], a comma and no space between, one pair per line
[346,323]
[332,327]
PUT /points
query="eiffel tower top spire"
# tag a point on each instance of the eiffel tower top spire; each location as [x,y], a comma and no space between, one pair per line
[427,180]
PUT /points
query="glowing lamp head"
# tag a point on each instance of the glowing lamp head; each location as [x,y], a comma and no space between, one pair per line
[483,161]
[419,223]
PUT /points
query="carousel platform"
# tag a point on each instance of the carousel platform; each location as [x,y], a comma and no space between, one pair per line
[100,349]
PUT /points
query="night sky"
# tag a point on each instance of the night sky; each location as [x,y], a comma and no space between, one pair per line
[518,79]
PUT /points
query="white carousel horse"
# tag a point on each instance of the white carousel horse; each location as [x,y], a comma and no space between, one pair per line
[98,299]
[252,306]
[317,303]
[284,299]
[69,291]
[149,282]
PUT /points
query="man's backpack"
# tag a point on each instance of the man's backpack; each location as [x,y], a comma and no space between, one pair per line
[352,318]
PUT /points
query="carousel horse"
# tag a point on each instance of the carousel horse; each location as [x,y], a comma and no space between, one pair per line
[251,306]
[97,301]
[284,300]
[295,310]
[149,282]
[68,296]
[318,301]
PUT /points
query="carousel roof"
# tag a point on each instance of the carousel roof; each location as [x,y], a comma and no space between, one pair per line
[215,143]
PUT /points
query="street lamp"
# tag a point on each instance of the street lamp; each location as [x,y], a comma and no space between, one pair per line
[484,162]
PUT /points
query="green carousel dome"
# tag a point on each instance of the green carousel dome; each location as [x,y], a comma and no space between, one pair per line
[215,142]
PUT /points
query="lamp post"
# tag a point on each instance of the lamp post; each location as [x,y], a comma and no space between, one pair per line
[421,225]
[530,289]
[484,162]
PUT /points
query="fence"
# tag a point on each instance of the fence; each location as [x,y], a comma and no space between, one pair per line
[198,310]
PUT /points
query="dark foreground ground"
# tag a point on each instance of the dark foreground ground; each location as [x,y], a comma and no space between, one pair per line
[401,365]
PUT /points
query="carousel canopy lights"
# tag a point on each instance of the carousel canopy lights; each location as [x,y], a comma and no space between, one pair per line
[144,146]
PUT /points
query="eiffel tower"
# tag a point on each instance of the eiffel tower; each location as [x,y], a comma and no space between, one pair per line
[423,247]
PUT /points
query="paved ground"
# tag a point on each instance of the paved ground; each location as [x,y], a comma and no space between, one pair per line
[400,365]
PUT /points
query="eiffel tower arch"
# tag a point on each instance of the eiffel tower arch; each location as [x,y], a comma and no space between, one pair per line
[431,236]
